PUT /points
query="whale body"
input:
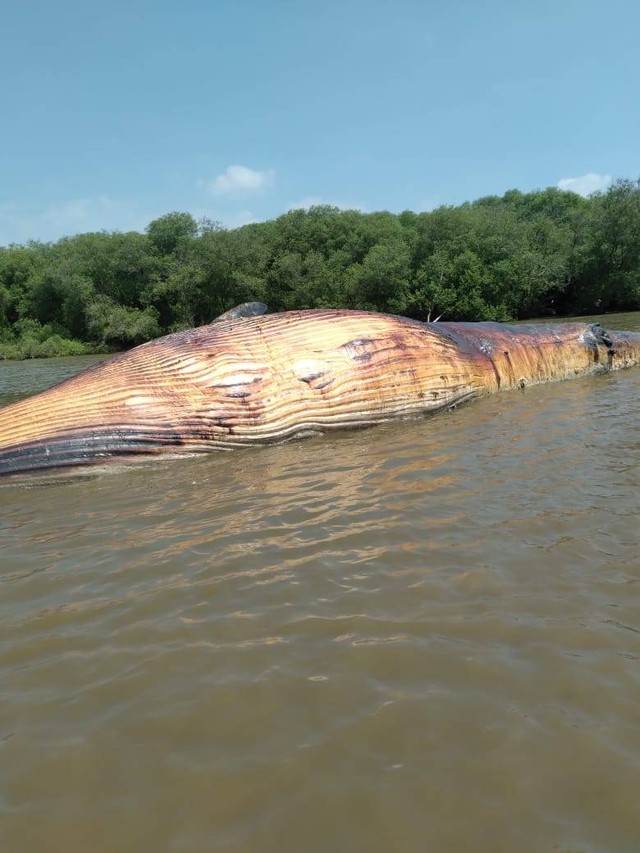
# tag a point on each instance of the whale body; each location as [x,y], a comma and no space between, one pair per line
[251,378]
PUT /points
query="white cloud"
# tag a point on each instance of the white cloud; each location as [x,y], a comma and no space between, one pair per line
[585,184]
[239,181]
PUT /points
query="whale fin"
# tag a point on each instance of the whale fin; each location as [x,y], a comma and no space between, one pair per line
[602,336]
[247,309]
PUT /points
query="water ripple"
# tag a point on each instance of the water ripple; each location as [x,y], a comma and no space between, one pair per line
[344,643]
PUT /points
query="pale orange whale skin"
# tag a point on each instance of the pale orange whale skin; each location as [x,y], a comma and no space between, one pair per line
[262,379]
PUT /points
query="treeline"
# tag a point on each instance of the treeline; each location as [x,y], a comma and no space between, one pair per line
[546,253]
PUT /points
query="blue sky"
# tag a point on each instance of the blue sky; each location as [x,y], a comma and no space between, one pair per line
[112,114]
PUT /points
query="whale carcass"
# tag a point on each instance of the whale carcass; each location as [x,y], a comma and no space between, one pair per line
[252,379]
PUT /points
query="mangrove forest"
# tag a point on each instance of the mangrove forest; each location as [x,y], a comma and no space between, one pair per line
[548,253]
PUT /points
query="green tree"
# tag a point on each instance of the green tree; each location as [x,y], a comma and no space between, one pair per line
[518,255]
[172,232]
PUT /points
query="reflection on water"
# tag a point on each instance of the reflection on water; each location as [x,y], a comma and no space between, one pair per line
[22,378]
[425,636]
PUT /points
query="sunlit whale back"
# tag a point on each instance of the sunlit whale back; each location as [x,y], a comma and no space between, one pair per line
[251,379]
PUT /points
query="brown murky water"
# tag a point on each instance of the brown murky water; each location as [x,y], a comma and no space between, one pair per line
[425,636]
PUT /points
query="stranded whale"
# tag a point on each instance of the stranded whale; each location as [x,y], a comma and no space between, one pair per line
[249,379]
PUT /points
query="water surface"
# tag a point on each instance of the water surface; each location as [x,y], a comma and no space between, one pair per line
[424,636]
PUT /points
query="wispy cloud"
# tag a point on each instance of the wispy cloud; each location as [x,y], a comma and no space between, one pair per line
[242,217]
[317,201]
[238,181]
[19,223]
[428,203]
[238,219]
[585,184]
[306,202]
[227,219]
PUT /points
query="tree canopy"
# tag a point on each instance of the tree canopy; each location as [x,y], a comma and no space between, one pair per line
[520,255]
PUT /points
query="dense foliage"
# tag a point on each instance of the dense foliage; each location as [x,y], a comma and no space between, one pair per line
[520,255]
